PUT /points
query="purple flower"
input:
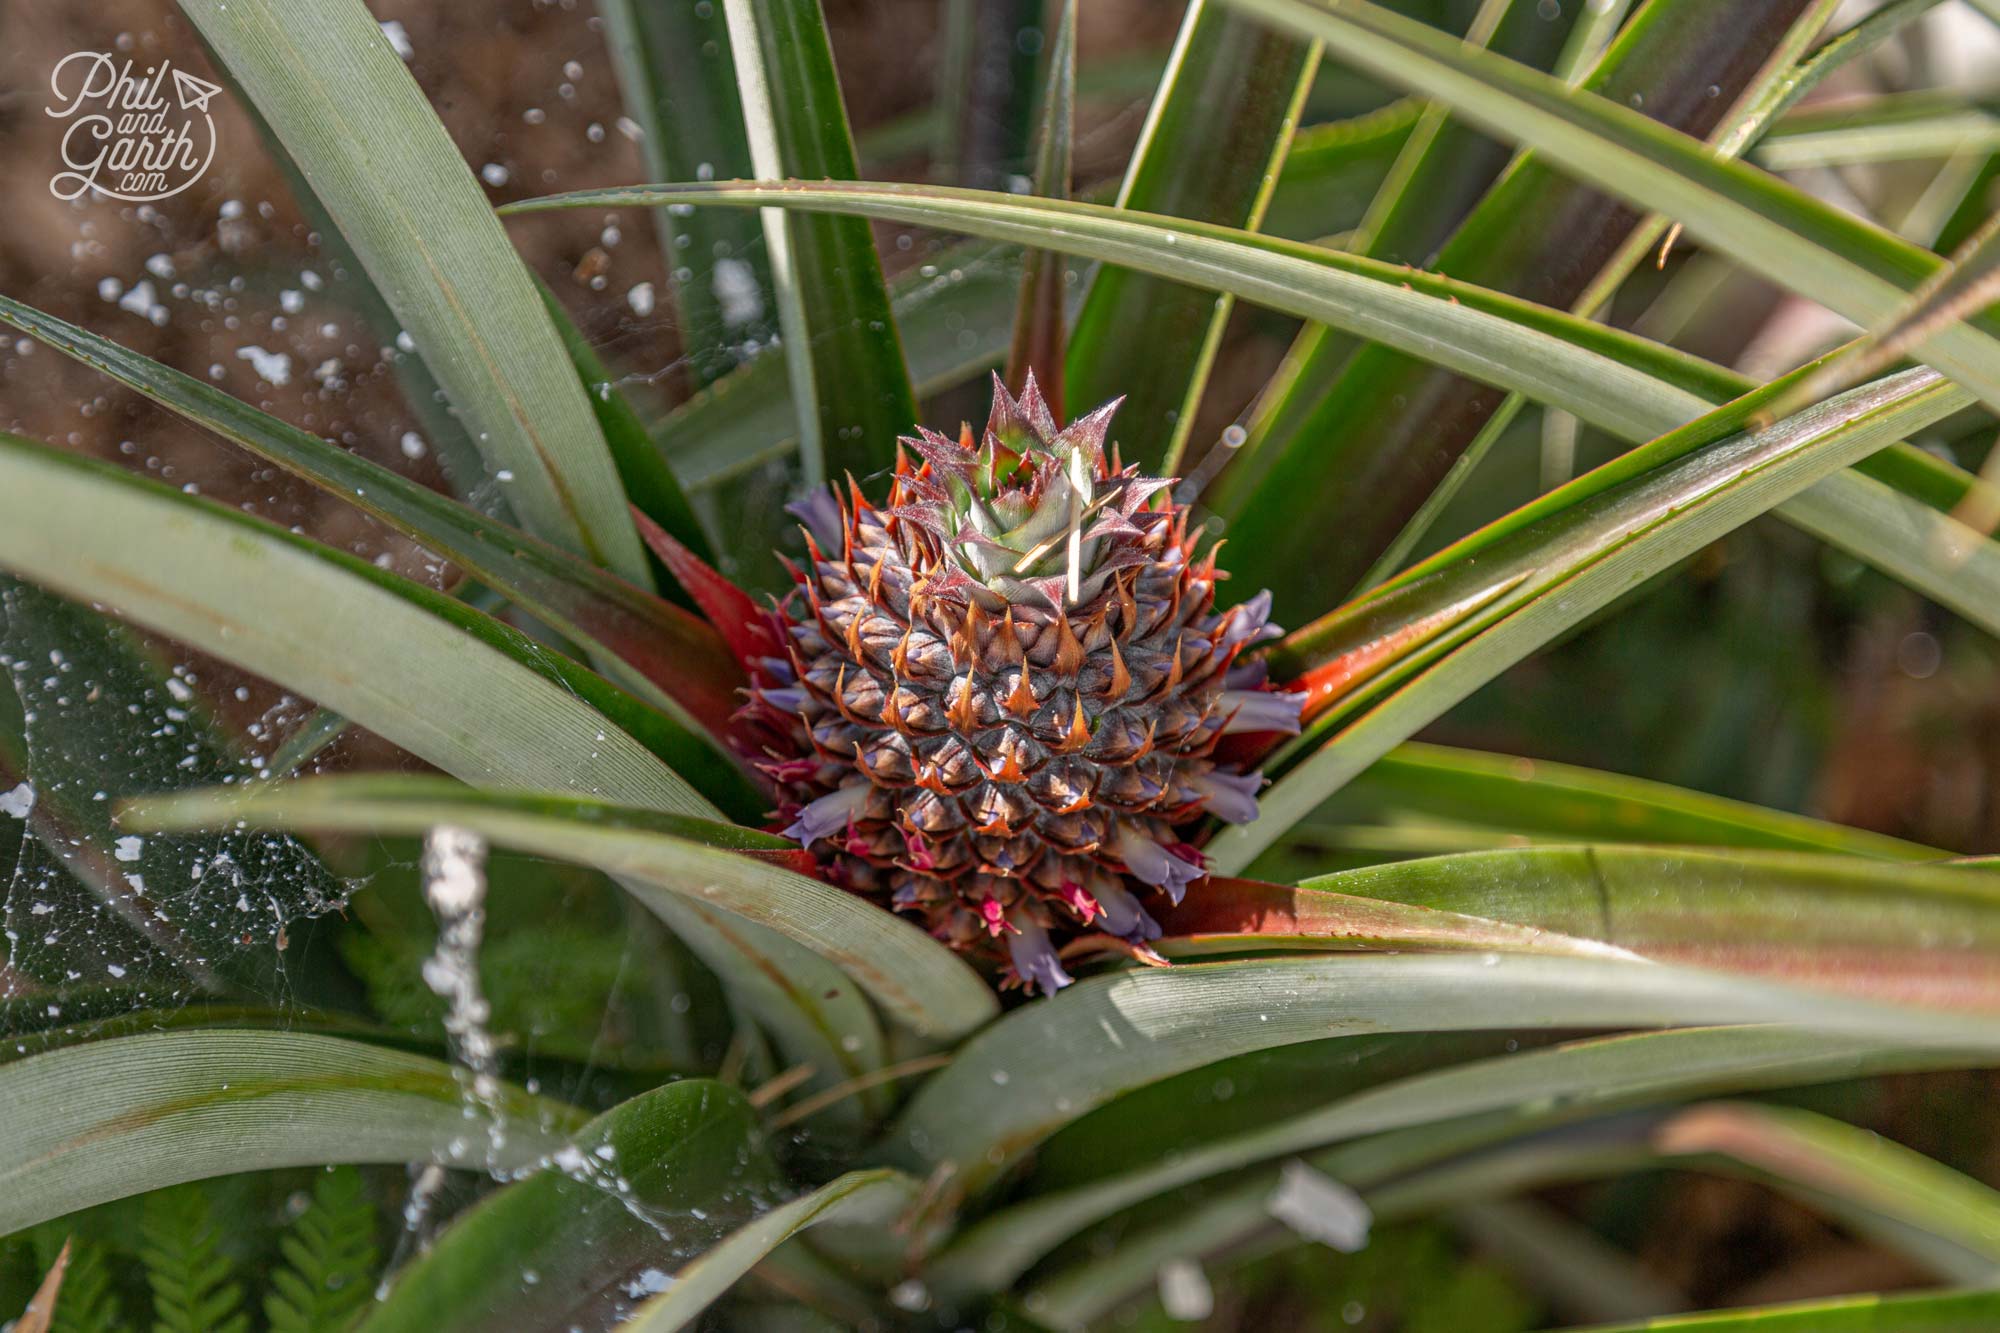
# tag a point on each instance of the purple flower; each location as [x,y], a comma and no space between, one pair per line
[820,512]
[1231,796]
[828,815]
[1261,710]
[1034,957]
[1250,622]
[1123,916]
[1247,675]
[787,700]
[1153,864]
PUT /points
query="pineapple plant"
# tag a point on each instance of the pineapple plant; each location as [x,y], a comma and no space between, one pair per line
[766,857]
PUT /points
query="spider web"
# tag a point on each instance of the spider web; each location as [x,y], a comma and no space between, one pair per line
[97,921]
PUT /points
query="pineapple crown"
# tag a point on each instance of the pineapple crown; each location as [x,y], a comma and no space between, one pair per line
[1027,512]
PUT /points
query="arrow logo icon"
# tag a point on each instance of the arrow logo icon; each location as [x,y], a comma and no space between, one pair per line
[194,93]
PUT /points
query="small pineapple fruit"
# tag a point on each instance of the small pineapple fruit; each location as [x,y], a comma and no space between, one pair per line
[1004,689]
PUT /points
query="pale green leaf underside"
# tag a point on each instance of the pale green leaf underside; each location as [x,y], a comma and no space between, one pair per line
[274,605]
[919,981]
[814,1013]
[859,1198]
[1122,1031]
[1545,1086]
[114,1118]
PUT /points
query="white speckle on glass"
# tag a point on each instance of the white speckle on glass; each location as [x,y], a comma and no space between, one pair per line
[1318,1207]
[274,368]
[1185,1294]
[736,292]
[399,38]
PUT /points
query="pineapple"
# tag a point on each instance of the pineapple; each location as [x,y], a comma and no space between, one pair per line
[1001,692]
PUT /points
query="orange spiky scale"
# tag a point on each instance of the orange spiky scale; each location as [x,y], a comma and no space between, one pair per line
[1021,699]
[1069,649]
[965,639]
[861,762]
[962,714]
[1078,735]
[1128,605]
[840,699]
[1009,770]
[875,583]
[892,714]
[814,556]
[1010,637]
[1121,679]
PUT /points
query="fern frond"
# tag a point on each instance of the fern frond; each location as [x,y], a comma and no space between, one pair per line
[330,1259]
[193,1288]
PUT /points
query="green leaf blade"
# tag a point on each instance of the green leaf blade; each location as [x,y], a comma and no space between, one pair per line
[1623,384]
[1826,255]
[455,688]
[850,385]
[1551,801]
[1715,489]
[1361,442]
[645,1182]
[670,658]
[866,1198]
[1893,1312]
[1126,1030]
[117,1117]
[679,83]
[1213,142]
[1524,1093]
[921,982]
[357,125]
